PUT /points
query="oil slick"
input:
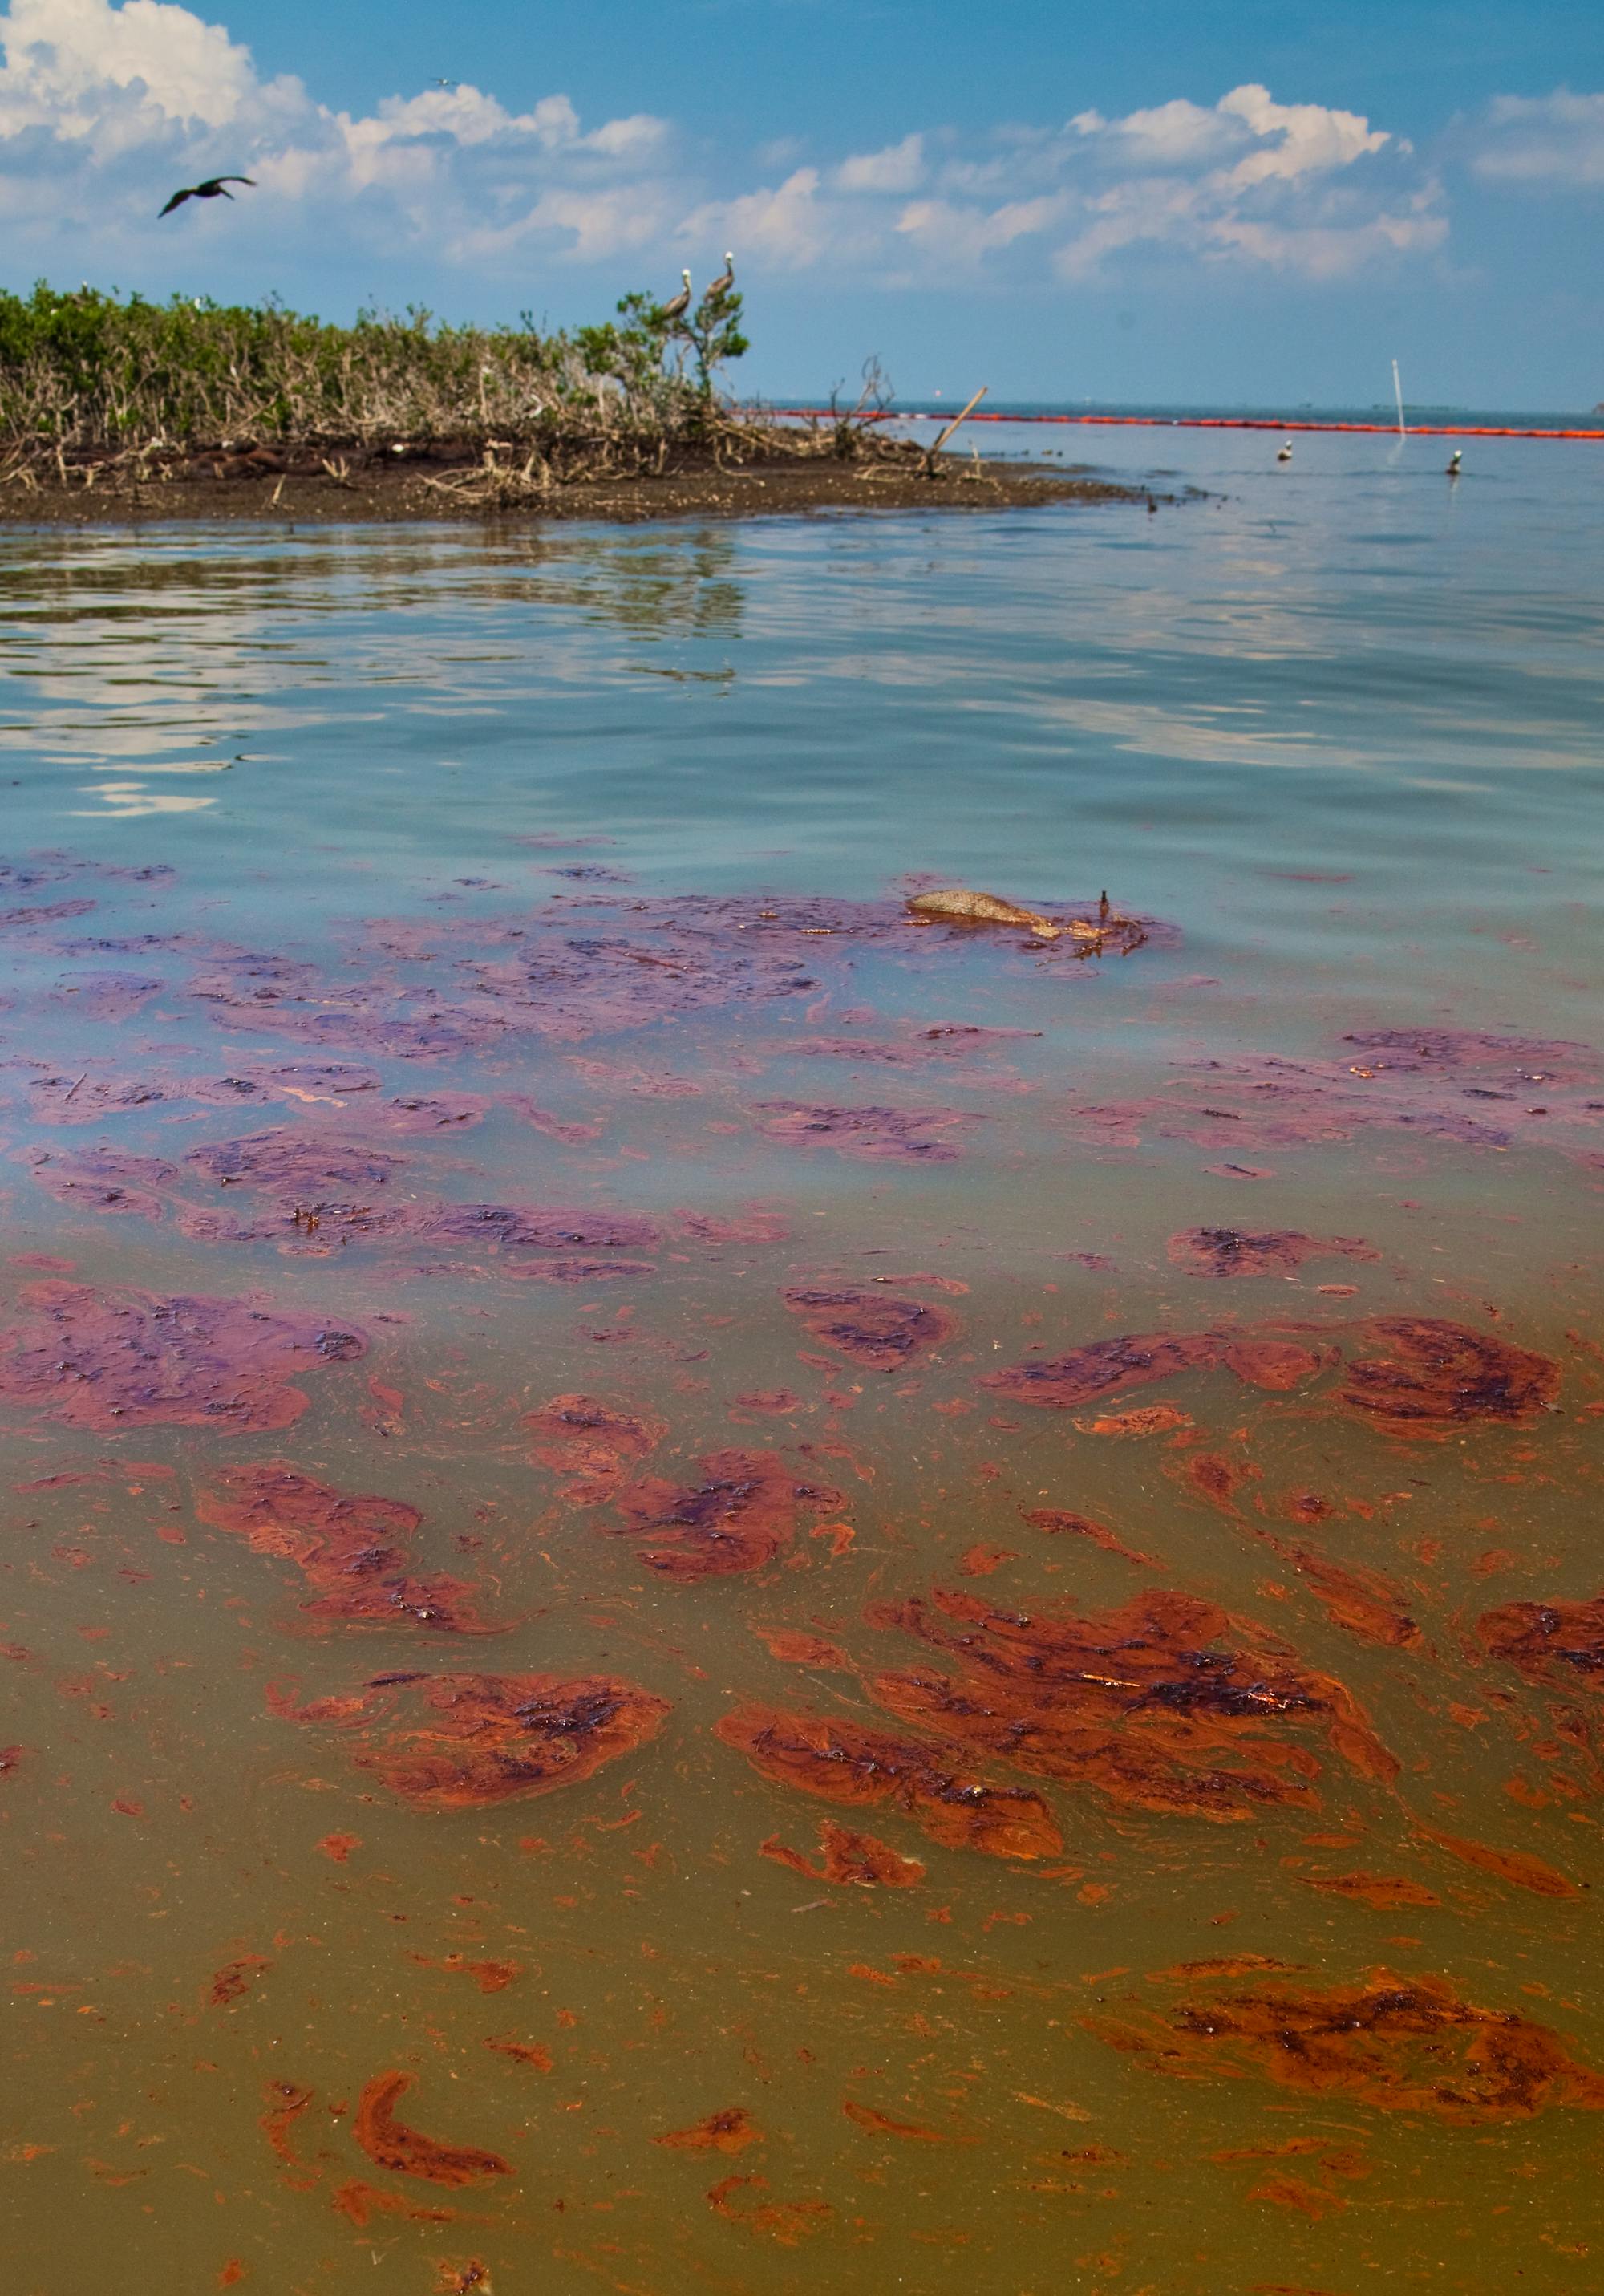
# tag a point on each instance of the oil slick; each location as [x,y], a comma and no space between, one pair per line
[919,1617]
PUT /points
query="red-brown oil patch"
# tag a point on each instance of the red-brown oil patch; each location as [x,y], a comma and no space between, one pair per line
[1555,1643]
[313,1195]
[979,1562]
[338,1847]
[750,1226]
[842,1762]
[1385,1893]
[729,2131]
[463,2279]
[1145,1419]
[1434,1374]
[1108,1366]
[593,1442]
[419,1114]
[236,1978]
[737,1518]
[390,2144]
[765,1403]
[886,2124]
[575,1134]
[488,1738]
[887,1136]
[873,1327]
[1164,1704]
[105,996]
[1477,1090]
[363,2203]
[533,2054]
[112,1360]
[1233,1964]
[1231,1251]
[296,1163]
[787,2222]
[1296,2192]
[286,2103]
[68,1099]
[1516,1867]
[349,1546]
[109,1181]
[489,1976]
[796,1646]
[578,966]
[1441,1374]
[1213,1477]
[850,1860]
[1399,2044]
[1062,1522]
[1362,1603]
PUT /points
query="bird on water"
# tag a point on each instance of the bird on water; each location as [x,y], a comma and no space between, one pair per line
[211,189]
[1284,451]
[1454,460]
[681,304]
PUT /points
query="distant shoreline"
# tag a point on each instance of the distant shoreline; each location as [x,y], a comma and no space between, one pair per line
[402,494]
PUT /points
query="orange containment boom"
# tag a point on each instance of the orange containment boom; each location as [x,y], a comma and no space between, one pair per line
[1210,423]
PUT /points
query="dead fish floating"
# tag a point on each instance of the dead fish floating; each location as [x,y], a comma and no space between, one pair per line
[957,905]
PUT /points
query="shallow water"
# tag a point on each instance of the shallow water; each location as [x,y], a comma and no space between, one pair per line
[1248,1713]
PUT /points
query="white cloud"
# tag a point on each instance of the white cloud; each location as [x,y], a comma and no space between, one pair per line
[1297,139]
[897,168]
[105,107]
[1555,139]
[64,57]
[964,234]
[1295,186]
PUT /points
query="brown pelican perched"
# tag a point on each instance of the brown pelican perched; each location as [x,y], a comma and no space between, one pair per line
[211,189]
[681,304]
[724,281]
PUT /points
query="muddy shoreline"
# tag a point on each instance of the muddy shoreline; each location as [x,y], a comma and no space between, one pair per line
[381,496]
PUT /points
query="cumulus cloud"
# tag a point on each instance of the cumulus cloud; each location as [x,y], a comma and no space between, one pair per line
[1294,187]
[897,168]
[1298,186]
[104,107]
[1544,140]
[106,104]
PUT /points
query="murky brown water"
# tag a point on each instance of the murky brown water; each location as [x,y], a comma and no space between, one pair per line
[707,1591]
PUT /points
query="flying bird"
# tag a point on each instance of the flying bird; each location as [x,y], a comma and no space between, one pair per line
[445,83]
[211,189]
[681,304]
[724,282]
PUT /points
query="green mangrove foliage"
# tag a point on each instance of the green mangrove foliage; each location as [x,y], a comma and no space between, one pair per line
[89,373]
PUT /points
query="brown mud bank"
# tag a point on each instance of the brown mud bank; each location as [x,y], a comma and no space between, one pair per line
[447,486]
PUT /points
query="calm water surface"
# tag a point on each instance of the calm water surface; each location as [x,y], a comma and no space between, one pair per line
[740,1635]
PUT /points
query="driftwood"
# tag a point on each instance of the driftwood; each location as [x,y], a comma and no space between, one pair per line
[1105,934]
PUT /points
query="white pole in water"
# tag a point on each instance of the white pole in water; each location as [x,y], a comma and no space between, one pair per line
[1398,395]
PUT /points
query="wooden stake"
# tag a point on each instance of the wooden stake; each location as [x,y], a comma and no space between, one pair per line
[943,436]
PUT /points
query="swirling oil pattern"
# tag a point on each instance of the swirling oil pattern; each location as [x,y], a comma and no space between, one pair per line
[713,1586]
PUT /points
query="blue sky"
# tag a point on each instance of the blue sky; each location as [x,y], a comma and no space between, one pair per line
[1151,201]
